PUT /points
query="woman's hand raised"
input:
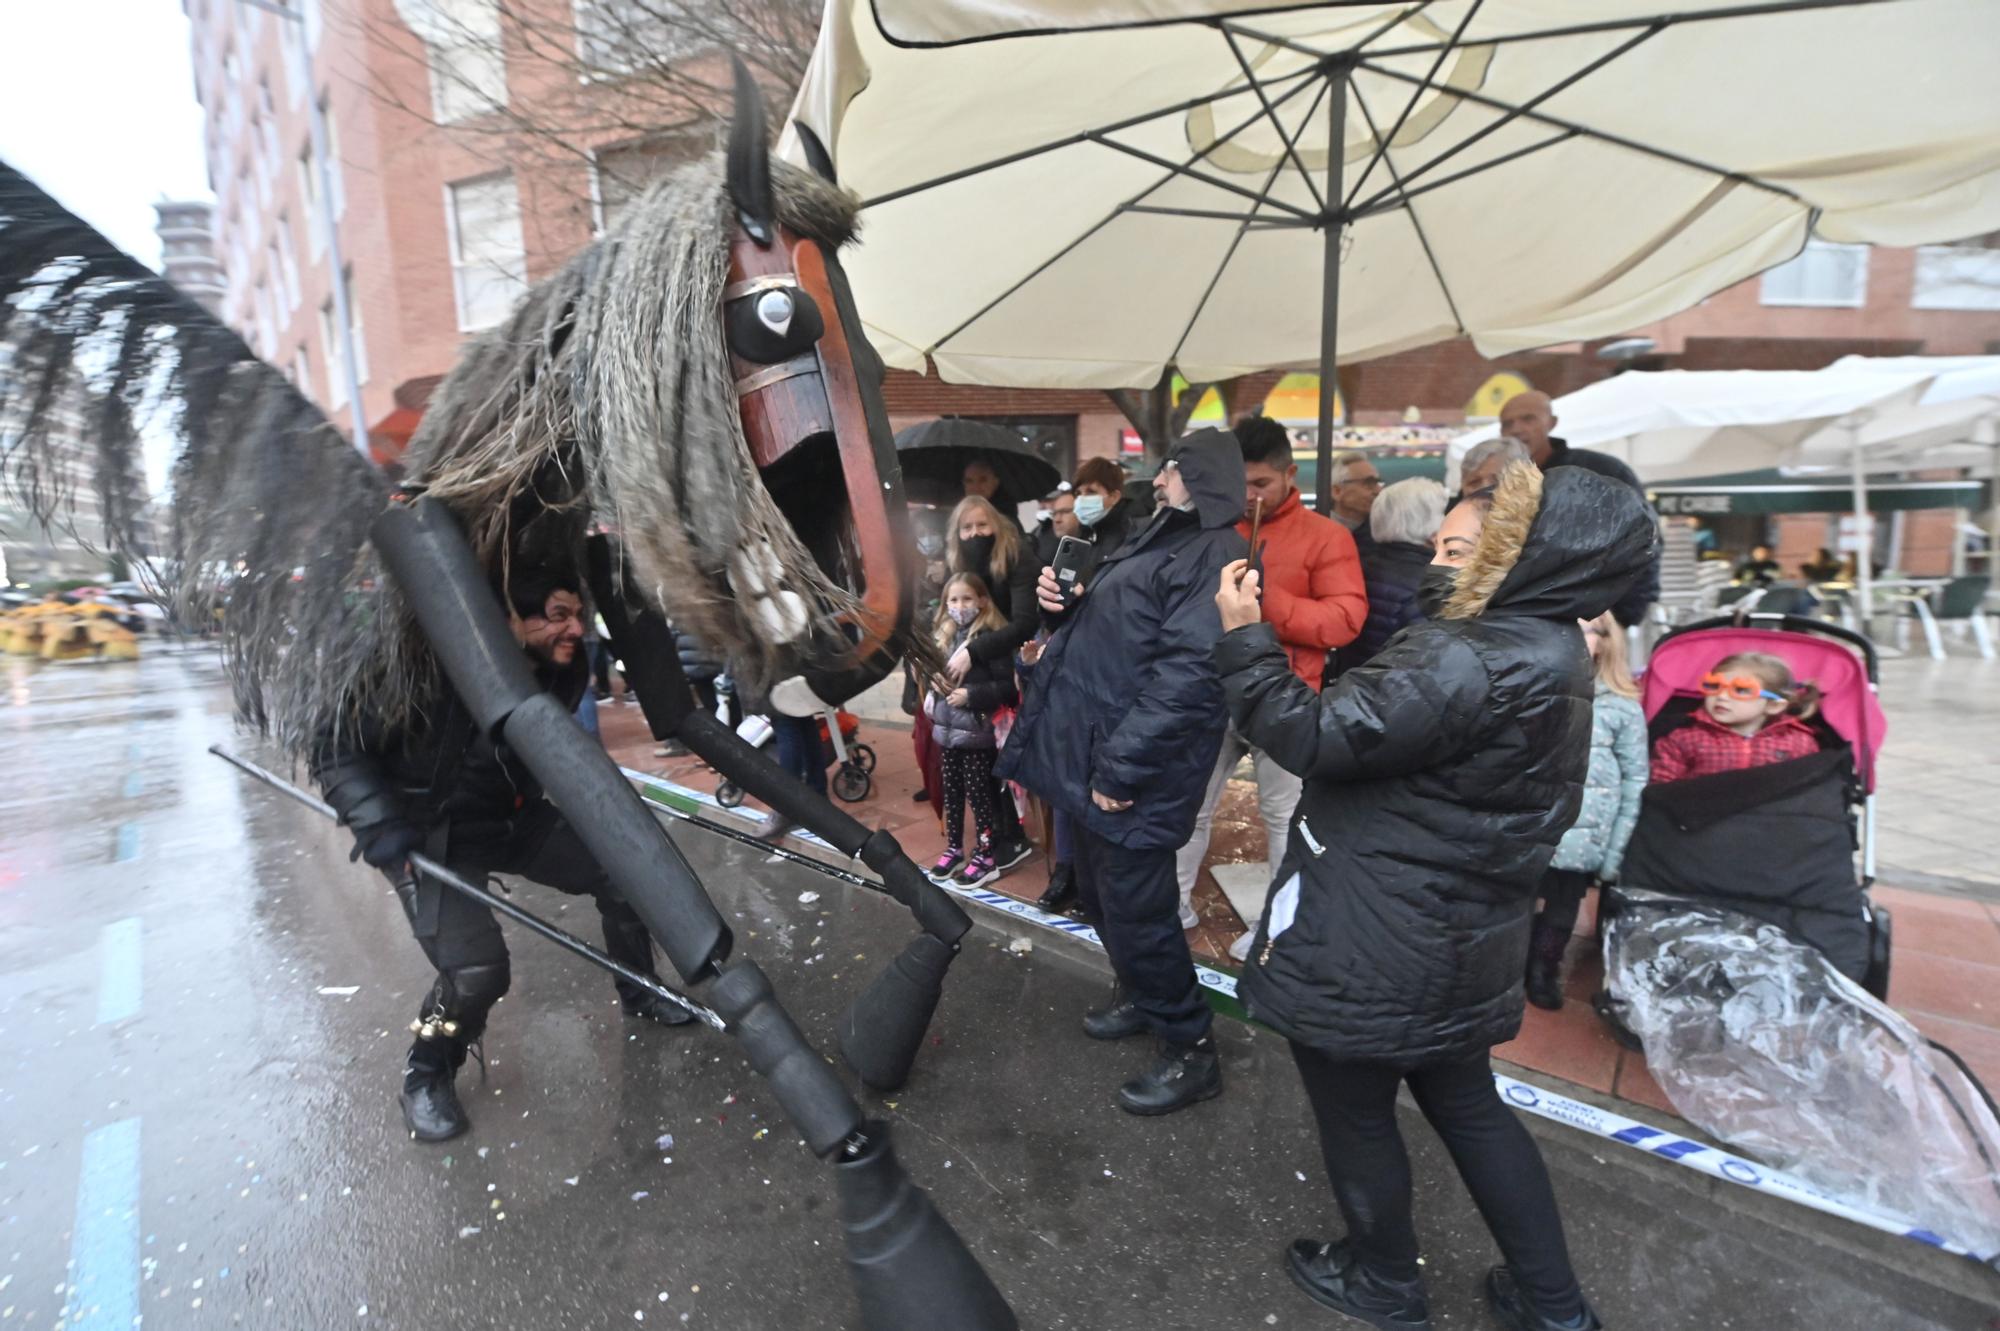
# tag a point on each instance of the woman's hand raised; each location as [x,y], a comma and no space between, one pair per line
[1237,597]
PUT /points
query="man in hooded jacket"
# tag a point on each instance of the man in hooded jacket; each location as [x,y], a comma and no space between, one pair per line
[1120,727]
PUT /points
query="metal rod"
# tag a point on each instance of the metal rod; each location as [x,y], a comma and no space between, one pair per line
[1303,76]
[1512,112]
[1271,113]
[1525,110]
[1383,203]
[1416,95]
[1329,309]
[1767,8]
[1416,224]
[534,923]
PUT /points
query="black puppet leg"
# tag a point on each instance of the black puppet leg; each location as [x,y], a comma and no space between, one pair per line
[910,1268]
[463,941]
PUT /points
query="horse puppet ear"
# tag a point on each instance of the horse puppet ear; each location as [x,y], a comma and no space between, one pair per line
[817,157]
[750,159]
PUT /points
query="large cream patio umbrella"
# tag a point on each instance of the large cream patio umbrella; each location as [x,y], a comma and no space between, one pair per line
[1087,193]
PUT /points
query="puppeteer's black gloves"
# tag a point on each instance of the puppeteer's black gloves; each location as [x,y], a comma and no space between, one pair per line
[387,844]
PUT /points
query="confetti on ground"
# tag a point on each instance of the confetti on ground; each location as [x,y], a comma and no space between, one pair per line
[641,1195]
[483,1150]
[467,1231]
[572,1179]
[665,1141]
[1300,1174]
[807,898]
[340,990]
[1021,947]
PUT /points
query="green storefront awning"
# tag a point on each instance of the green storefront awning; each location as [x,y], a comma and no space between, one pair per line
[1759,492]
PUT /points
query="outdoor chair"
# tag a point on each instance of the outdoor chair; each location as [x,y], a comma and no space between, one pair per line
[1960,603]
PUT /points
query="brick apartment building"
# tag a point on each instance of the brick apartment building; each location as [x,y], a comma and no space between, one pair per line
[444,218]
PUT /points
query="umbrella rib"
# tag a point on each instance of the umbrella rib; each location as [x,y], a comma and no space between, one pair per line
[1557,122]
[1243,230]
[1395,20]
[1670,19]
[1409,108]
[1216,215]
[1107,220]
[1182,169]
[1513,113]
[1401,198]
[1072,140]
[1444,288]
[1291,153]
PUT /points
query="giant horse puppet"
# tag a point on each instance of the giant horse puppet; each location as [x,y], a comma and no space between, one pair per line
[697,383]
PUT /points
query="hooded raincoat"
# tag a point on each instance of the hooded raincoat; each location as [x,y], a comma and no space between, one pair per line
[1440,777]
[1125,700]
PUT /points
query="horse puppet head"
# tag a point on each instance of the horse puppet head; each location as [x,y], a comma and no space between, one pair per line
[698,383]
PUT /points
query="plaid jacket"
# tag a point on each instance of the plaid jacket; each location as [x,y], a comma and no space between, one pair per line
[1704,747]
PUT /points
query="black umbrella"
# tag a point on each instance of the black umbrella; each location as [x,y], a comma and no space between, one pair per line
[934,456]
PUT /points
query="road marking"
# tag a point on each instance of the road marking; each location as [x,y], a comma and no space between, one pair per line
[104,1246]
[128,842]
[118,984]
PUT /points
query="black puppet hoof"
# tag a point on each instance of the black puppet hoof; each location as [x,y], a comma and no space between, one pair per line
[651,1007]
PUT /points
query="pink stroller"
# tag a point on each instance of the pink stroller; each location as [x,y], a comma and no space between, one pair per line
[1777,843]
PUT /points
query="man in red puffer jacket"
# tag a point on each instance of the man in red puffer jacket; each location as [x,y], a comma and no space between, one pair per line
[1314,597]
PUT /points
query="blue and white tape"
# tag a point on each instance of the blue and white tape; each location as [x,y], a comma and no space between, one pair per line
[1602,1123]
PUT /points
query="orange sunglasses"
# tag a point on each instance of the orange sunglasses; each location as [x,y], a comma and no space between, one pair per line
[1742,688]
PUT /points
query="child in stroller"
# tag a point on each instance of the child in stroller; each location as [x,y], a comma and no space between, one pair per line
[1767,829]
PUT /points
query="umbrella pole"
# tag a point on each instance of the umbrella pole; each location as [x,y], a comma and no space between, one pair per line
[1864,558]
[1333,228]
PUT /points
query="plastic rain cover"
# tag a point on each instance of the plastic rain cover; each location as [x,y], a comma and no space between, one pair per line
[1761,1043]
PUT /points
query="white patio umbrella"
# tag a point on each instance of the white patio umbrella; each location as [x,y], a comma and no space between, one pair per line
[1858,415]
[1084,193]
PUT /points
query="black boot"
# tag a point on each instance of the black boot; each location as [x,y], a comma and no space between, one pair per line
[1332,1276]
[650,1006]
[1116,1020]
[429,1099]
[1511,1306]
[1182,1075]
[1061,890]
[1545,957]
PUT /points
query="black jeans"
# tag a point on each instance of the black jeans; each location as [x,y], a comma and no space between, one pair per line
[1355,1104]
[1137,900]
[455,931]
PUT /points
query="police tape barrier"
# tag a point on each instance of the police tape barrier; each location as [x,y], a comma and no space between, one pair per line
[1602,1123]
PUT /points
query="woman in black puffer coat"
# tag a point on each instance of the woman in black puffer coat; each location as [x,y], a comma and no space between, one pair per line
[1439,778]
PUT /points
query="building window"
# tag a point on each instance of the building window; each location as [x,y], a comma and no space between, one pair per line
[309,190]
[1824,274]
[1965,276]
[339,186]
[302,371]
[488,267]
[330,342]
[288,264]
[620,175]
[468,66]
[291,39]
[617,37]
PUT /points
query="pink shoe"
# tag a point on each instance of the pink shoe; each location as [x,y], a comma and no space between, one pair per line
[946,865]
[979,870]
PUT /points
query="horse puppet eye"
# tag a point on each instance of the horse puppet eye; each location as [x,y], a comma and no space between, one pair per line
[773,325]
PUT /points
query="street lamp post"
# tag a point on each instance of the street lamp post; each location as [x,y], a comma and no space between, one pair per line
[343,315]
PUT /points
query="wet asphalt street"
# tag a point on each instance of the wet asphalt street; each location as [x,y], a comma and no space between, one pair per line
[203,1008]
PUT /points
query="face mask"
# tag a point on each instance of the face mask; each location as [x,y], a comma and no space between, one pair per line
[962,615]
[1089,508]
[1435,588]
[977,552]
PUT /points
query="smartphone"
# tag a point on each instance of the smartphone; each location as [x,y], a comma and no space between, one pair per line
[1256,521]
[1073,555]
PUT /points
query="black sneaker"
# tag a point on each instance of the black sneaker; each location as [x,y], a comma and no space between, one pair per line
[1511,1306]
[1332,1277]
[1182,1075]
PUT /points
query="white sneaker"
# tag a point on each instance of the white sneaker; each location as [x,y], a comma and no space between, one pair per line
[1188,918]
[1240,949]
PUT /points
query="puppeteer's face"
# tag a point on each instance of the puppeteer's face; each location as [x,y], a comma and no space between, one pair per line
[553,635]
